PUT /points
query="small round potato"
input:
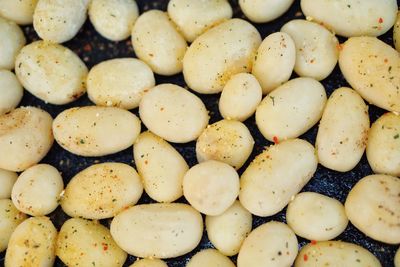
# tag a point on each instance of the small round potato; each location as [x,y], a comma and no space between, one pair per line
[7,180]
[119,82]
[211,187]
[397,258]
[396,34]
[10,218]
[173,113]
[210,258]
[273,244]
[113,19]
[21,11]
[261,11]
[25,138]
[240,97]
[11,91]
[12,39]
[37,190]
[149,263]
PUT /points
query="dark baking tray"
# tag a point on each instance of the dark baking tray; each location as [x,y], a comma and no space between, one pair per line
[92,48]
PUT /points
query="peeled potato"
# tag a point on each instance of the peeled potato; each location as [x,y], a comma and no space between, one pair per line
[10,218]
[396,34]
[397,258]
[261,11]
[11,91]
[149,263]
[209,258]
[12,39]
[7,180]
[21,11]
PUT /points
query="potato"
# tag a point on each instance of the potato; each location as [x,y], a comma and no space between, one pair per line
[316,217]
[352,17]
[261,11]
[335,253]
[32,244]
[240,97]
[291,109]
[149,263]
[276,175]
[343,131]
[113,19]
[37,190]
[10,218]
[316,48]
[209,258]
[206,69]
[11,91]
[95,131]
[397,258]
[25,138]
[12,39]
[7,180]
[160,166]
[157,42]
[21,11]
[373,207]
[173,113]
[59,21]
[119,82]
[158,230]
[228,230]
[396,34]
[271,244]
[372,68]
[86,243]
[194,17]
[274,61]
[101,191]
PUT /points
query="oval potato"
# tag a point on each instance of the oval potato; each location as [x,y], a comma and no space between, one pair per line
[7,180]
[396,34]
[397,258]
[261,11]
[149,263]
[210,258]
[10,218]
[11,91]
[12,40]
[21,12]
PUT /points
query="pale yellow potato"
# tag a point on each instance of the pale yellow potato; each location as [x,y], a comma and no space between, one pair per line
[396,34]
[276,175]
[272,244]
[376,78]
[21,11]
[101,191]
[397,258]
[33,243]
[383,146]
[59,21]
[25,138]
[173,113]
[11,91]
[291,109]
[10,218]
[219,53]
[343,130]
[119,82]
[316,217]
[93,131]
[194,17]
[335,253]
[158,230]
[7,180]
[240,97]
[149,263]
[160,166]
[51,72]
[274,61]
[157,42]
[261,11]
[228,230]
[12,39]
[87,243]
[316,48]
[210,258]
[37,190]
[227,141]
[373,207]
[352,17]
[113,19]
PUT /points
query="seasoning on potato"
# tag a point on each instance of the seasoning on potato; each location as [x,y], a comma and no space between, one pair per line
[7,180]
[12,39]
[209,257]
[149,263]
[10,218]
[21,11]
[261,11]
[11,91]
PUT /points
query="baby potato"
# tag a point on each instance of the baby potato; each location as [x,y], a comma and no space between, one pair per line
[316,217]
[158,230]
[376,78]
[397,258]
[240,97]
[7,180]
[206,69]
[173,113]
[227,141]
[149,263]
[271,244]
[316,48]
[37,190]
[33,243]
[157,42]
[11,91]
[119,82]
[373,207]
[101,191]
[113,19]
[211,187]
[396,34]
[343,130]
[194,17]
[88,243]
[291,109]
[160,166]
[25,138]
[274,61]
[59,21]
[276,175]
[210,258]
[10,218]
[21,11]
[261,11]
[12,39]
[228,230]
[93,131]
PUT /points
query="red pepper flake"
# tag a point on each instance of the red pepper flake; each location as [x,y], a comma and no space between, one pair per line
[386,60]
[105,246]
[380,20]
[87,48]
[276,140]
[313,242]
[305,257]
